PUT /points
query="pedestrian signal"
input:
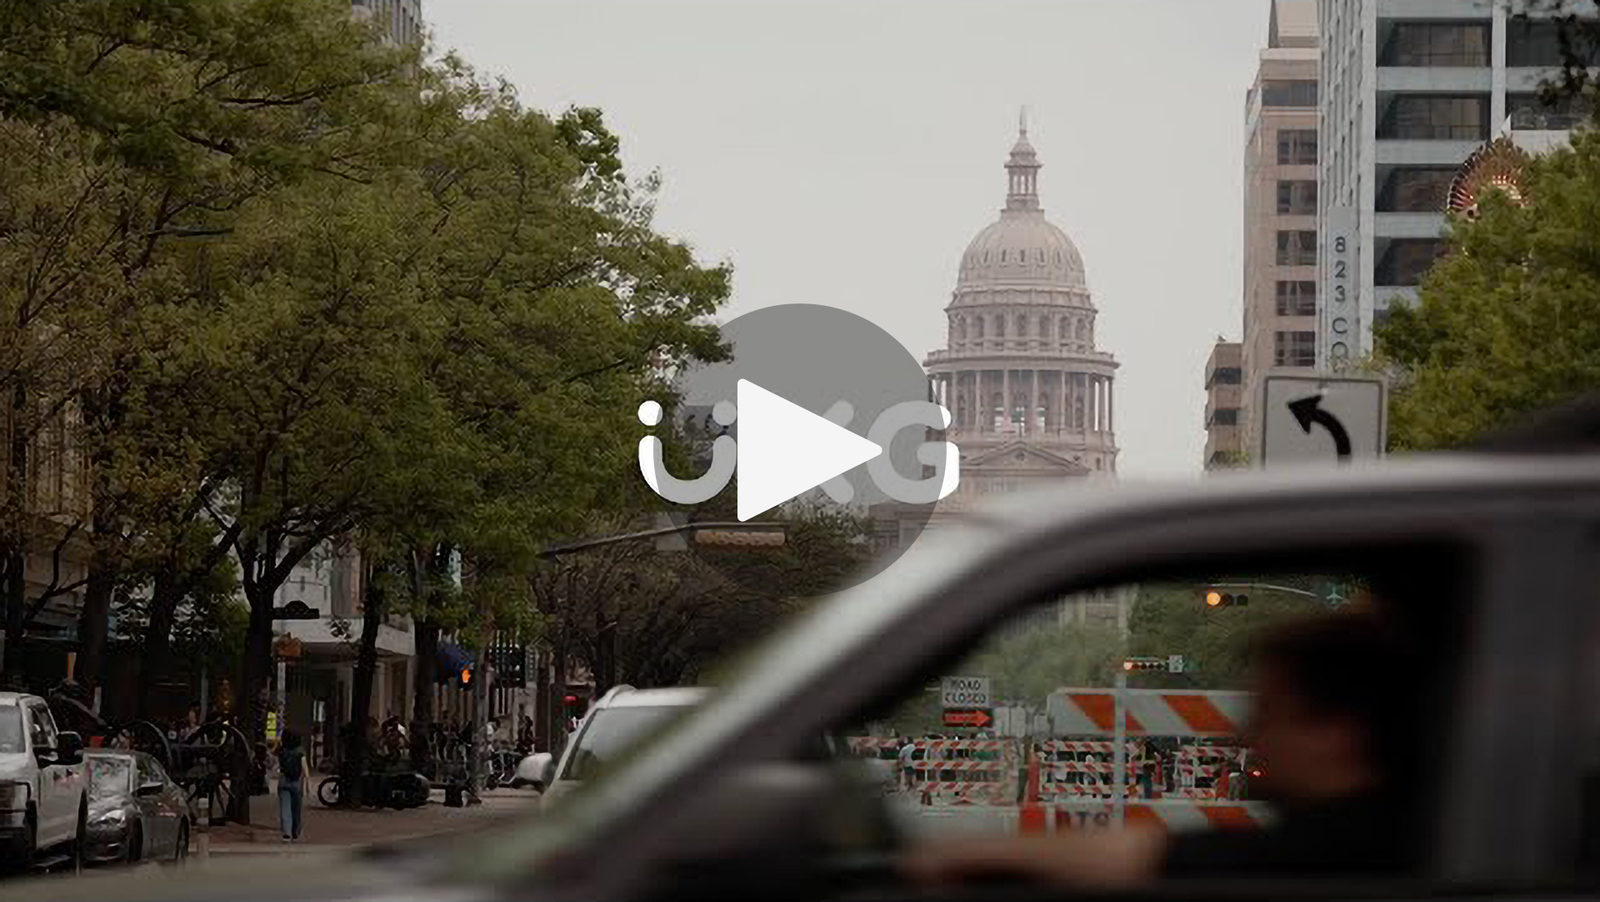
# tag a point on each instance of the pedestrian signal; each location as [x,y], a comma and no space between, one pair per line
[466,675]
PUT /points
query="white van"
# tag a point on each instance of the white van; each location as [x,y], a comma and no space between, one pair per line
[614,725]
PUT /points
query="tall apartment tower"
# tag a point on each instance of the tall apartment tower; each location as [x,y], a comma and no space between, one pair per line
[1410,88]
[401,20]
[1280,208]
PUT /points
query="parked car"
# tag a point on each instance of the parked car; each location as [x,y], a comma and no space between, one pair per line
[613,726]
[43,786]
[136,812]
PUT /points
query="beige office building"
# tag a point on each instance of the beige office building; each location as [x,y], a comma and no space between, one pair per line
[1224,378]
[1280,211]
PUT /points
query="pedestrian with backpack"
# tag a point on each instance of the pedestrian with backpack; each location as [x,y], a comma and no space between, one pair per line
[291,785]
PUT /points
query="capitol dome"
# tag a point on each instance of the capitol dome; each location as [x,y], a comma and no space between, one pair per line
[1022,248]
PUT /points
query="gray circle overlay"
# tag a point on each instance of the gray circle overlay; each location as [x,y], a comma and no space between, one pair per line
[815,356]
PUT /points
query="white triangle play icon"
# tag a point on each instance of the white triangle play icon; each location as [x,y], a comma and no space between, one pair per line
[785,450]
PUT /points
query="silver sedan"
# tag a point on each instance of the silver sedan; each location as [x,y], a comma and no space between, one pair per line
[135,812]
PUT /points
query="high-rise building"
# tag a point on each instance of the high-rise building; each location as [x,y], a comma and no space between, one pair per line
[1280,216]
[1224,400]
[400,20]
[1411,89]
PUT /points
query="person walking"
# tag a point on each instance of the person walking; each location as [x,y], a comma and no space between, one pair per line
[291,785]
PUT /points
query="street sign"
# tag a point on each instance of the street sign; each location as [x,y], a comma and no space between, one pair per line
[964,692]
[296,610]
[977,717]
[1322,419]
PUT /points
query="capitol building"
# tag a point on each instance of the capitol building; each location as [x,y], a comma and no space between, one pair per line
[1030,396]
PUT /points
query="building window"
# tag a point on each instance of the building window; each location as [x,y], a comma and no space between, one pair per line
[1297,198]
[1297,298]
[1294,349]
[1226,375]
[1297,248]
[1225,416]
[1289,93]
[1406,260]
[1436,117]
[1530,112]
[1436,44]
[1537,42]
[1416,189]
[1297,147]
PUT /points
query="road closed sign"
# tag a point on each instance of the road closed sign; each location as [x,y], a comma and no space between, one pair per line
[965,692]
[1314,419]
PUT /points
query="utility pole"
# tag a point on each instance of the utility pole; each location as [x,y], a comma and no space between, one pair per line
[1119,752]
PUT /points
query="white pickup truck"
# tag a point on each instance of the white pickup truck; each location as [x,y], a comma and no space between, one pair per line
[43,781]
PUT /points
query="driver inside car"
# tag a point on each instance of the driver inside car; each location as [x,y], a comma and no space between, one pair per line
[1337,733]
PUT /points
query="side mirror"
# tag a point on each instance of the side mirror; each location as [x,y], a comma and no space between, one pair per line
[152,788]
[542,769]
[69,748]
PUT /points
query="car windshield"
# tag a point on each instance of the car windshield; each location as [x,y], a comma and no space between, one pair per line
[11,738]
[611,733]
[110,777]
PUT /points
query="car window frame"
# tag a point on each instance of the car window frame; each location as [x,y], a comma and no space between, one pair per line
[1466,499]
[39,715]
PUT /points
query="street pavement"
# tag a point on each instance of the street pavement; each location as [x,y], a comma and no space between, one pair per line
[338,829]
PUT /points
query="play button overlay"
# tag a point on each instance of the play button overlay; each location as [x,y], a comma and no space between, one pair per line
[813,454]
[785,450]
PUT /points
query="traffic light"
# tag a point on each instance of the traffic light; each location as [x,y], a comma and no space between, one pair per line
[1133,665]
[1224,598]
[576,705]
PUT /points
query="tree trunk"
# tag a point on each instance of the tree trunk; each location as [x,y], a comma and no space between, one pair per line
[16,550]
[252,699]
[102,413]
[557,709]
[354,761]
[156,660]
[426,634]
[94,621]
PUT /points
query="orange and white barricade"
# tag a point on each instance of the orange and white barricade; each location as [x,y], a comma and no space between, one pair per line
[966,771]
[874,744]
[1174,815]
[1149,712]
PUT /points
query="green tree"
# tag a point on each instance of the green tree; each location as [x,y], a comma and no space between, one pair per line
[1509,321]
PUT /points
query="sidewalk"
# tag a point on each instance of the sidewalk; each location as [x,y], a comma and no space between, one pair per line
[333,829]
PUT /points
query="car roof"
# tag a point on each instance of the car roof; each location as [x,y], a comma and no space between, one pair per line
[674,697]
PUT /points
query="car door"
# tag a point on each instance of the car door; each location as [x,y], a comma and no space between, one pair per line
[58,790]
[1517,602]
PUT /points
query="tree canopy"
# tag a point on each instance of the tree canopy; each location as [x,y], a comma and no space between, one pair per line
[1509,321]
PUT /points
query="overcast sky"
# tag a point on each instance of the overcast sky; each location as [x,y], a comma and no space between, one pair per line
[845,153]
